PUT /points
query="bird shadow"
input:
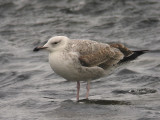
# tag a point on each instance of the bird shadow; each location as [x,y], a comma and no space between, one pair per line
[99,102]
[104,102]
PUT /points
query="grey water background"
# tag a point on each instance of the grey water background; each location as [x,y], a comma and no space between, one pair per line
[30,90]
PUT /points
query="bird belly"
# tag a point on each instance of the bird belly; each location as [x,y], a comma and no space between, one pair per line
[63,65]
[69,68]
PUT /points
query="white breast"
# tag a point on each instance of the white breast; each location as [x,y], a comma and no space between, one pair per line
[67,65]
[63,65]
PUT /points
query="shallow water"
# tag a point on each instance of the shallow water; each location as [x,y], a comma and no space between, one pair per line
[30,90]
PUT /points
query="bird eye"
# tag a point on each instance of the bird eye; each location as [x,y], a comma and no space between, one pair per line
[55,43]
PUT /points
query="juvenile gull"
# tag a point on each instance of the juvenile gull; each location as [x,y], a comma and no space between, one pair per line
[85,60]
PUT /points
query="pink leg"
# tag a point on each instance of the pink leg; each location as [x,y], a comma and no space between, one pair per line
[78,88]
[87,87]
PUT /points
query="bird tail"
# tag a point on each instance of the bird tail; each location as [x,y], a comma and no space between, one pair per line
[133,56]
[139,52]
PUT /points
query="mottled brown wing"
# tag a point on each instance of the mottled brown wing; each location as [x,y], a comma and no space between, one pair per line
[122,48]
[104,57]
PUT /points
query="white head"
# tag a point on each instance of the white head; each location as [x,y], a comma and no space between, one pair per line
[56,43]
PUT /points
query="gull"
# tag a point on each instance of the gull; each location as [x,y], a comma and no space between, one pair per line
[86,60]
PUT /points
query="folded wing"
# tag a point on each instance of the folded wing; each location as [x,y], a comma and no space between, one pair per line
[106,56]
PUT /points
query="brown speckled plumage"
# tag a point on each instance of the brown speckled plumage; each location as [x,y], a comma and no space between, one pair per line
[105,56]
[92,53]
[122,48]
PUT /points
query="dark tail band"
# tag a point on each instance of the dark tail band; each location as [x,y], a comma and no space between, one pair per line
[133,56]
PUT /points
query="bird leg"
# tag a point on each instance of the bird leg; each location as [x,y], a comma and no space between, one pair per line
[87,87]
[78,88]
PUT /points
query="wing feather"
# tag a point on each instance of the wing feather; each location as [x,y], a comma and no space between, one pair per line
[107,56]
[92,53]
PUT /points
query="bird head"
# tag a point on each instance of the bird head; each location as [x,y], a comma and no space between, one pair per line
[56,43]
